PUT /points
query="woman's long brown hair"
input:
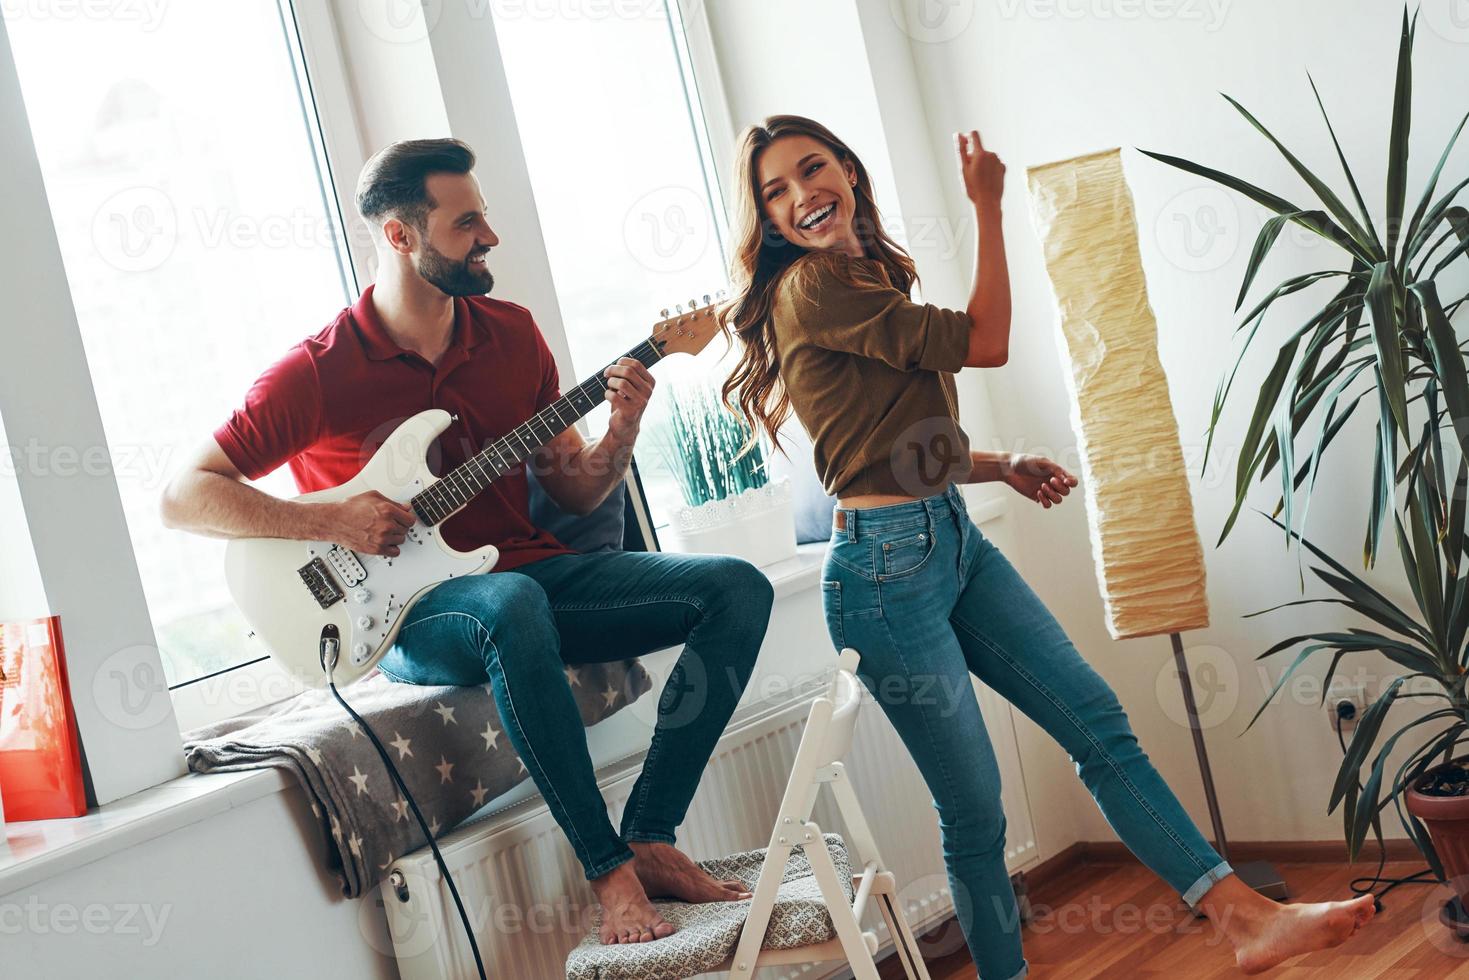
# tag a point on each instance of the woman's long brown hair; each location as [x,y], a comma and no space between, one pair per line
[763,256]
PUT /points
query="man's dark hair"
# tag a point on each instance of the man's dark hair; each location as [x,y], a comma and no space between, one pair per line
[392,182]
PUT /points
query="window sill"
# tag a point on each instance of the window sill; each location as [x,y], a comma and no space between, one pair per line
[37,850]
[799,573]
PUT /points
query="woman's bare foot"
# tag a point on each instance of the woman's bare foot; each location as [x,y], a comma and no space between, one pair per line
[666,872]
[627,915]
[1266,933]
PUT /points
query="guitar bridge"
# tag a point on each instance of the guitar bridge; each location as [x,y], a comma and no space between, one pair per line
[318,578]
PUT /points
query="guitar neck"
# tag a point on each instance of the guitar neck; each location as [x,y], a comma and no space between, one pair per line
[475,474]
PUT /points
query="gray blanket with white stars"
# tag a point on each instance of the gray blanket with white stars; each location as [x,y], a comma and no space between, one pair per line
[447,742]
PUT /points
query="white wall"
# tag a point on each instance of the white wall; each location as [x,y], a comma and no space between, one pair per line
[237,896]
[1043,83]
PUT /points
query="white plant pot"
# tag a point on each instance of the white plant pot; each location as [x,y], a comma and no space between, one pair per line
[757,525]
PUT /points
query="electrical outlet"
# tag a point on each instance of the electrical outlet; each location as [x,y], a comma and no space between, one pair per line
[1344,707]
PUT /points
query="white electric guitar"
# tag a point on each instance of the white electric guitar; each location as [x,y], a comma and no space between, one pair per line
[311,602]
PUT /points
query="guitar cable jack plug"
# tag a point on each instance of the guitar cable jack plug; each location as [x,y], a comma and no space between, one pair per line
[330,649]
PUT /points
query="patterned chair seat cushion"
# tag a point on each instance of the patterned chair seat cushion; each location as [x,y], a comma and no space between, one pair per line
[708,932]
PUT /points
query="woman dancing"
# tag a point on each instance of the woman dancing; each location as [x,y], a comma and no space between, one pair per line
[828,331]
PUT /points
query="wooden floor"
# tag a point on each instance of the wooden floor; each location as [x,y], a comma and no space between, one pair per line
[1106,921]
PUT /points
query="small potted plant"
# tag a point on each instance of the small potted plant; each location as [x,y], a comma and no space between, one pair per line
[732,506]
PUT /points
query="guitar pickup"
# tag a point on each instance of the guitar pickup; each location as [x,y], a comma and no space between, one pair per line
[318,578]
[347,566]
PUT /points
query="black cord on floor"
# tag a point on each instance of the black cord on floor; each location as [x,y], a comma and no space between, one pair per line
[413,805]
[1372,881]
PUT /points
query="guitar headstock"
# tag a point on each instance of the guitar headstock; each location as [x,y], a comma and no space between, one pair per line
[690,328]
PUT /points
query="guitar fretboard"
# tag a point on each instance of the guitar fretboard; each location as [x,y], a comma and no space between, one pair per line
[471,477]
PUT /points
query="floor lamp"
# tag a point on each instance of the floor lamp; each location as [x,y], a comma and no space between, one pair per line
[1150,565]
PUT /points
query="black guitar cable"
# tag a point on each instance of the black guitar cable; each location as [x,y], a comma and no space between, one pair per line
[331,645]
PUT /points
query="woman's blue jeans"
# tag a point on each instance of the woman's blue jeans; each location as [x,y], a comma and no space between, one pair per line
[927,600]
[519,630]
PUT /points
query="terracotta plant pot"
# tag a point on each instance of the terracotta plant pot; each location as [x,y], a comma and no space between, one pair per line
[1447,820]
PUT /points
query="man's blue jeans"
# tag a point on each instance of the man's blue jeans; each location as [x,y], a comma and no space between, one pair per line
[518,631]
[927,600]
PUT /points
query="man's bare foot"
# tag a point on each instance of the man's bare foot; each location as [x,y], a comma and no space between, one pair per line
[1266,933]
[627,915]
[666,872]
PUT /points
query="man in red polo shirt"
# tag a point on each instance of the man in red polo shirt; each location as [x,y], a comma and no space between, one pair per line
[423,336]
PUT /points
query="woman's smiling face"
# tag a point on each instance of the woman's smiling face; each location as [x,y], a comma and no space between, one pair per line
[807,194]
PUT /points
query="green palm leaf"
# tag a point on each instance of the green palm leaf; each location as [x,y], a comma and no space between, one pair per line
[1422,208]
[1361,743]
[1397,146]
[1388,345]
[1366,809]
[1351,181]
[1269,232]
[1328,197]
[1322,226]
[1458,219]
[1435,217]
[1448,360]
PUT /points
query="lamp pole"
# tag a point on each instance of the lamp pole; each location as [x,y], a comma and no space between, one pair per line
[1259,875]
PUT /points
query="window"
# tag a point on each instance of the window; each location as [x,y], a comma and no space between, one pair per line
[197,225]
[620,164]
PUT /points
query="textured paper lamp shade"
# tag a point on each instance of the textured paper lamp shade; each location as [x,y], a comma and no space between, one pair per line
[1150,565]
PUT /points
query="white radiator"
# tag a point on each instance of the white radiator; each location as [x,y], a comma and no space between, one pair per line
[526,895]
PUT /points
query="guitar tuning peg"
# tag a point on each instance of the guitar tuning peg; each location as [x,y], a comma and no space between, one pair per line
[706,299]
[680,309]
[663,313]
[692,306]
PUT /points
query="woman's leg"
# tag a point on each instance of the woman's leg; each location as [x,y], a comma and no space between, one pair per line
[1014,644]
[913,665]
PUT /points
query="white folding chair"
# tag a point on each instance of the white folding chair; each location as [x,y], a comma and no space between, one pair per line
[826,741]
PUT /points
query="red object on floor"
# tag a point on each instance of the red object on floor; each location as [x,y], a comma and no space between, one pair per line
[40,755]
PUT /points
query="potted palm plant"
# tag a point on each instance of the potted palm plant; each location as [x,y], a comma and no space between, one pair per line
[1384,335]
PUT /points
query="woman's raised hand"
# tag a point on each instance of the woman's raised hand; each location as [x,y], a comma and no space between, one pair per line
[984,174]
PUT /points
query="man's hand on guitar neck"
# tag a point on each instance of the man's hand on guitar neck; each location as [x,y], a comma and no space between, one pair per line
[577,474]
[629,386]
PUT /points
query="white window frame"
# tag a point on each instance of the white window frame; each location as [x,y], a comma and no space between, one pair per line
[714,132]
[122,765]
[328,81]
[330,88]
[77,529]
[260,680]
[718,122]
